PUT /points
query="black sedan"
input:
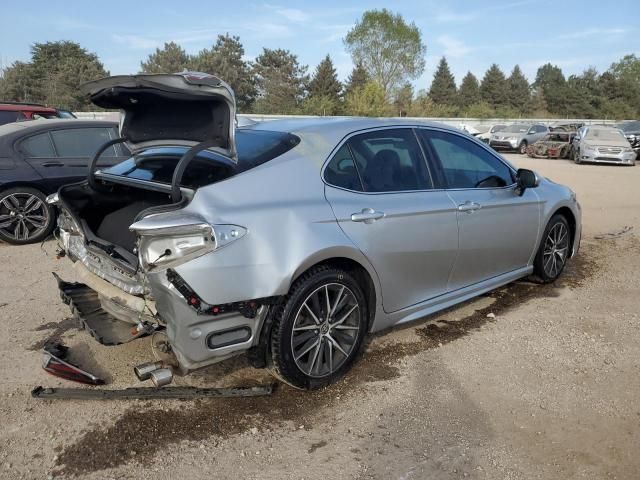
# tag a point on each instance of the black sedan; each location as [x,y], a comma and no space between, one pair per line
[36,158]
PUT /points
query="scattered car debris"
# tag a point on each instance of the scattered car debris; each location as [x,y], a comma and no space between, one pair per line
[53,362]
[148,393]
[555,144]
[618,233]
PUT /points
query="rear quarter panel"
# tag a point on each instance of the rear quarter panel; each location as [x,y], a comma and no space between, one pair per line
[290,227]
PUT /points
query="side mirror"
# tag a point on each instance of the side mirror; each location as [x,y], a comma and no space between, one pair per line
[526,179]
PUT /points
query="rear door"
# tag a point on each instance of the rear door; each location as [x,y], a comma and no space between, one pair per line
[383,196]
[63,155]
[497,227]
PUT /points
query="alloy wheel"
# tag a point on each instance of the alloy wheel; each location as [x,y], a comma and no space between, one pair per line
[325,330]
[556,247]
[23,216]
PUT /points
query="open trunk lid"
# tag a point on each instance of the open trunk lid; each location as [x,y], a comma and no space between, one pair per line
[170,109]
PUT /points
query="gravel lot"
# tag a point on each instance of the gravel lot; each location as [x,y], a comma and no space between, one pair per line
[547,389]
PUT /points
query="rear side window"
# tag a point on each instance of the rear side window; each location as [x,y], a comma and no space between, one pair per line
[82,142]
[38,146]
[390,160]
[341,171]
[10,117]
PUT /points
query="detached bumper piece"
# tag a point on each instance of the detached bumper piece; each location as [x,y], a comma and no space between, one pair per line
[147,393]
[87,310]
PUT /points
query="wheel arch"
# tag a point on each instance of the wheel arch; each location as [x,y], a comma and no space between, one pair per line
[571,220]
[353,262]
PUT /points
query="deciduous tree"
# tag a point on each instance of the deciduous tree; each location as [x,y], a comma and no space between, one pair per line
[390,49]
[53,76]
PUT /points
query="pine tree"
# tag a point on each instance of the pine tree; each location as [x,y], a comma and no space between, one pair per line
[493,88]
[518,90]
[281,82]
[358,79]
[443,86]
[550,80]
[170,59]
[469,92]
[224,59]
[325,81]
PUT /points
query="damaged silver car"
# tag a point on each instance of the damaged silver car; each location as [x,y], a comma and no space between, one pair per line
[292,240]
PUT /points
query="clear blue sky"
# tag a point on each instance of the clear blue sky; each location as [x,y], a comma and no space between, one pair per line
[472,34]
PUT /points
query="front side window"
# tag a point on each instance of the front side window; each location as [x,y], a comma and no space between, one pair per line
[38,146]
[82,142]
[390,160]
[466,164]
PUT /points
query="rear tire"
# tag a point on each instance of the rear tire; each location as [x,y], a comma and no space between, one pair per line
[554,250]
[25,216]
[319,328]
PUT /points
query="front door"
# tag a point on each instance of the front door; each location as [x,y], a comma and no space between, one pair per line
[498,228]
[382,194]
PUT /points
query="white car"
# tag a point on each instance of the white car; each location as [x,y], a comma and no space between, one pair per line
[484,137]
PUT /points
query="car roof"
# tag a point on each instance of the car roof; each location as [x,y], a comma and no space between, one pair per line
[25,107]
[29,126]
[338,127]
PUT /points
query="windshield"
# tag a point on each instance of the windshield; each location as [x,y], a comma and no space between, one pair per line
[497,128]
[608,135]
[516,128]
[255,147]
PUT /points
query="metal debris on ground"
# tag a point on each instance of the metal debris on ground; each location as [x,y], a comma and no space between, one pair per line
[618,233]
[149,393]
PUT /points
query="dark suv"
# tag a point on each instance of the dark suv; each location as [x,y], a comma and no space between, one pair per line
[16,112]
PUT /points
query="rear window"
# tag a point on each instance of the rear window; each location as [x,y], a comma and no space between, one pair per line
[255,147]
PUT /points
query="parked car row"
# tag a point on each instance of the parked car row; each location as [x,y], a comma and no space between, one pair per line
[572,140]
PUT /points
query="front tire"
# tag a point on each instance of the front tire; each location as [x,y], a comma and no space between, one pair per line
[554,250]
[523,147]
[25,216]
[576,156]
[319,328]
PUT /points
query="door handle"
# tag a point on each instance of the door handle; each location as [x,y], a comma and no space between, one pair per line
[53,164]
[367,215]
[469,207]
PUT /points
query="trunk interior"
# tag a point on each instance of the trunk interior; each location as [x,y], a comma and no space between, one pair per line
[108,214]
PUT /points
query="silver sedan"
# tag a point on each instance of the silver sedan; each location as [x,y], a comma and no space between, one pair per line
[293,240]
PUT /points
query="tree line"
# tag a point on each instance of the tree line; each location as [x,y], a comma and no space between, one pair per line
[387,53]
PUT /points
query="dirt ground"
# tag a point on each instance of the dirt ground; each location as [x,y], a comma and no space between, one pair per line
[546,387]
